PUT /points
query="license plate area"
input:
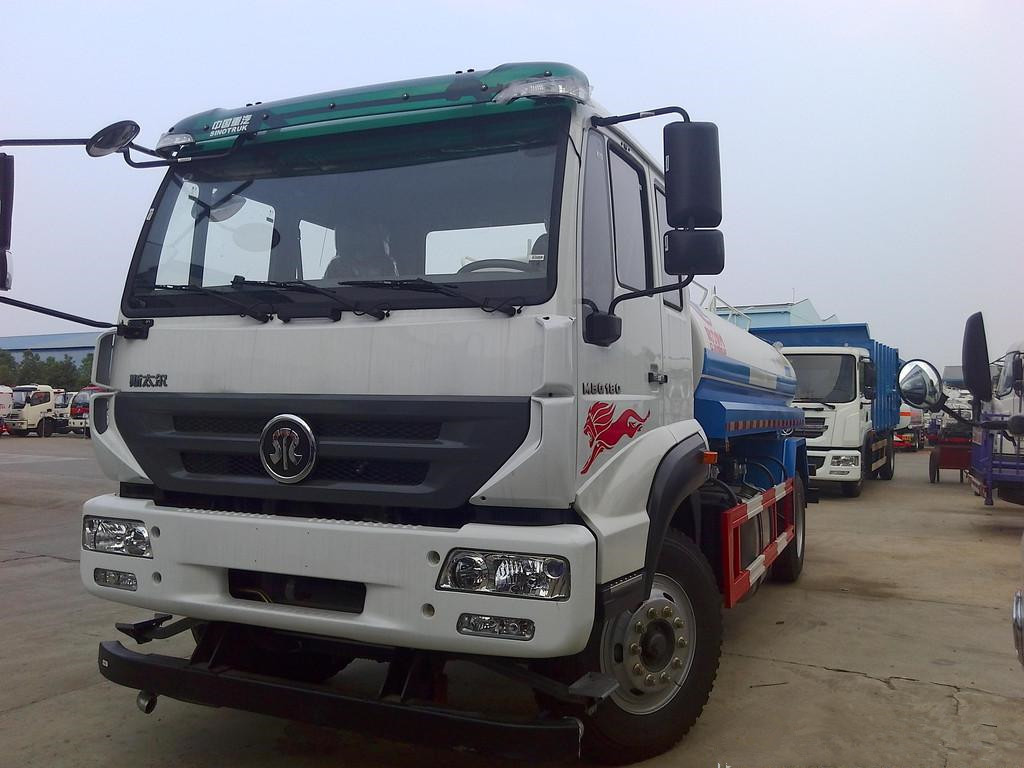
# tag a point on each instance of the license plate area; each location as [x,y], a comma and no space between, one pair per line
[300,591]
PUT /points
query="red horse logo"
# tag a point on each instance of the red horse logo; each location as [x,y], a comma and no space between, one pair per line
[604,433]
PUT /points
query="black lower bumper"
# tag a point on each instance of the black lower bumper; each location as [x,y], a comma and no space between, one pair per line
[547,739]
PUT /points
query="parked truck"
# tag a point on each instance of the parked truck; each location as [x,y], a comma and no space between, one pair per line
[6,400]
[33,410]
[910,434]
[353,415]
[846,384]
[79,413]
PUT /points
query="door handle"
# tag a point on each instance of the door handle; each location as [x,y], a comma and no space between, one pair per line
[653,377]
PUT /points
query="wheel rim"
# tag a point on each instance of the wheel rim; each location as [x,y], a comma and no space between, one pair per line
[650,651]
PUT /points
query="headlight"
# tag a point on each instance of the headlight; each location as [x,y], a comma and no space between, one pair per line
[499,573]
[116,537]
[845,461]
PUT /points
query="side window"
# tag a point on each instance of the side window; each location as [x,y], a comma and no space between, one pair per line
[674,300]
[630,217]
[598,272]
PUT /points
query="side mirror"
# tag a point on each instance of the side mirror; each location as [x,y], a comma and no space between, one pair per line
[694,252]
[1017,374]
[693,176]
[6,212]
[602,328]
[113,138]
[920,385]
[977,376]
[868,385]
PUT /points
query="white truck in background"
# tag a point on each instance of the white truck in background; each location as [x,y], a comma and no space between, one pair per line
[33,410]
[62,411]
[6,400]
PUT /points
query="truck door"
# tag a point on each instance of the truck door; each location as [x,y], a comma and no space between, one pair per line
[619,386]
[677,365]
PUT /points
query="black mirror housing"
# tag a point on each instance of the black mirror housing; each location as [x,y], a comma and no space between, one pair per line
[977,375]
[113,138]
[693,175]
[602,329]
[6,214]
[694,252]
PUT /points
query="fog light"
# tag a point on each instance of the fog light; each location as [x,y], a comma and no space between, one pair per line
[495,626]
[116,537]
[117,579]
[539,576]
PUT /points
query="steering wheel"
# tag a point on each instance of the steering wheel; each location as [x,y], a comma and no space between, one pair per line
[511,264]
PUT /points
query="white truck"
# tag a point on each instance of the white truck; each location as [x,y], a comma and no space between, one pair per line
[409,372]
[62,411]
[846,385]
[33,410]
[6,400]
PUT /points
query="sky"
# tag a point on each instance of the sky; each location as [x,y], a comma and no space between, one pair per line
[872,152]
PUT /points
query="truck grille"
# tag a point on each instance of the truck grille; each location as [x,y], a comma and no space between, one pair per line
[814,426]
[429,452]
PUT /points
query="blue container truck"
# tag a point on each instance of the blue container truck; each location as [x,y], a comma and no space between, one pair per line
[846,384]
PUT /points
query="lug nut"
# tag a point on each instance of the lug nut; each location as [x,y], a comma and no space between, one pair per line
[677,663]
[638,669]
[665,678]
[678,622]
[649,680]
[666,611]
[634,649]
[652,613]
[681,642]
[639,627]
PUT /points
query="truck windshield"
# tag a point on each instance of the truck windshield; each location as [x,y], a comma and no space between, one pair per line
[470,202]
[82,398]
[21,396]
[824,378]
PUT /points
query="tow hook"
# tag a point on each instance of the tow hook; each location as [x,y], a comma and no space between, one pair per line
[146,702]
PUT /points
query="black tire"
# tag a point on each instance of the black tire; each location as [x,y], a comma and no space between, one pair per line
[615,736]
[888,469]
[933,466]
[45,428]
[852,490]
[88,433]
[78,431]
[790,563]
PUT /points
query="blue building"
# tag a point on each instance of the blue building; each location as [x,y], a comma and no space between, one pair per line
[55,345]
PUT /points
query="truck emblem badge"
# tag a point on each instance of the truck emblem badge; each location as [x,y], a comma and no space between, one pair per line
[288,449]
[604,431]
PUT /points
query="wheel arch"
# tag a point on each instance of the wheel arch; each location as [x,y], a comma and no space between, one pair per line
[677,479]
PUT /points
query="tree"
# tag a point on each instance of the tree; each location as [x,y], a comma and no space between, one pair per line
[30,369]
[84,377]
[8,368]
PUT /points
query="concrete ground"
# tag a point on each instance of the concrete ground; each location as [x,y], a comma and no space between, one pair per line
[893,648]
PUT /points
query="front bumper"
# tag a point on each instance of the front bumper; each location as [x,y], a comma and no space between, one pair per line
[1017,623]
[548,739]
[399,564]
[828,473]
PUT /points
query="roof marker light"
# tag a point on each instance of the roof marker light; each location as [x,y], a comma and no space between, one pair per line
[540,87]
[169,140]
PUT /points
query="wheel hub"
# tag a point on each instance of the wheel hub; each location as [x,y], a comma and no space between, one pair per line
[650,650]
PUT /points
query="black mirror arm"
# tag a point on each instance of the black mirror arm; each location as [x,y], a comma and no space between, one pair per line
[125,153]
[649,292]
[613,119]
[43,142]
[56,313]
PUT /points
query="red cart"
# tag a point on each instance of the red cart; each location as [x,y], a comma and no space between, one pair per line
[952,452]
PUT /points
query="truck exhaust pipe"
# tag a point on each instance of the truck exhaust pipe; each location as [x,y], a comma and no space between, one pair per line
[146,702]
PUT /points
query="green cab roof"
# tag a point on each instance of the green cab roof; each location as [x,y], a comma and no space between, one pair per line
[460,89]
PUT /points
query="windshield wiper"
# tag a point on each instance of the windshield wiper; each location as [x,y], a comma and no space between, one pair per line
[247,310]
[302,285]
[817,402]
[429,286]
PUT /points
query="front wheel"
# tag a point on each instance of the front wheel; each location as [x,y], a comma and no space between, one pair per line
[45,428]
[888,469]
[664,655]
